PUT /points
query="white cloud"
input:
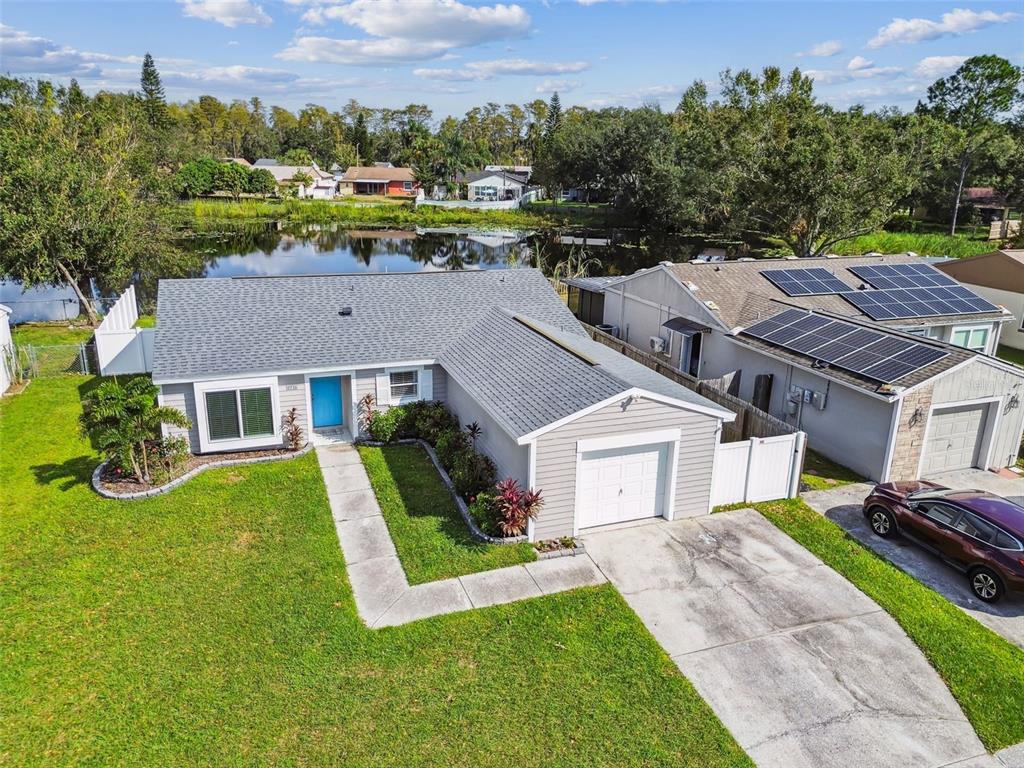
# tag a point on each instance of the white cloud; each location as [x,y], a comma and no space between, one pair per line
[826,48]
[486,70]
[23,53]
[934,67]
[865,71]
[550,85]
[859,62]
[957,22]
[404,30]
[661,94]
[230,13]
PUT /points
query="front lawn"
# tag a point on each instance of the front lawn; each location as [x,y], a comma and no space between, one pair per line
[215,626]
[983,670]
[821,473]
[432,539]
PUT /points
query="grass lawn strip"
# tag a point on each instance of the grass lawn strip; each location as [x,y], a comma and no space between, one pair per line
[432,539]
[983,670]
[820,473]
[215,626]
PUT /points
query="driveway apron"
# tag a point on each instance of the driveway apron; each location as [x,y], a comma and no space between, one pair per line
[801,666]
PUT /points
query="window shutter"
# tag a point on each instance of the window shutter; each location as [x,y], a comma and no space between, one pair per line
[222,415]
[427,384]
[383,388]
[257,412]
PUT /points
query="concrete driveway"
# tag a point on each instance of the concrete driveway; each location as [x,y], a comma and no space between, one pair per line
[843,506]
[802,668]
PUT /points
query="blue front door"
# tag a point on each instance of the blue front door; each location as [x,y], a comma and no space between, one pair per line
[325,392]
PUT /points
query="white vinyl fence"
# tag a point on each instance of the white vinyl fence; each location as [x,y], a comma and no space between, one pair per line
[758,469]
[120,346]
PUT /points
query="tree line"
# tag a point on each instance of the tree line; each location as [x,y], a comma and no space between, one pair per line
[87,179]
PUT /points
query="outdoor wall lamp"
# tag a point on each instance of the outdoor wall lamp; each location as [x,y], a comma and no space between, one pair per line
[915,417]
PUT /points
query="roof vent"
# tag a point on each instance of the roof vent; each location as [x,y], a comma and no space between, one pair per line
[693,286]
[345,311]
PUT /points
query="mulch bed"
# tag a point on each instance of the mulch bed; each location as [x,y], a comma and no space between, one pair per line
[120,484]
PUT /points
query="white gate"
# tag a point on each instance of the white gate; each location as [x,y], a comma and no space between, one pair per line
[120,346]
[758,469]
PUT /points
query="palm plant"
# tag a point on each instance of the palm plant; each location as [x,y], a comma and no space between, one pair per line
[578,263]
[125,418]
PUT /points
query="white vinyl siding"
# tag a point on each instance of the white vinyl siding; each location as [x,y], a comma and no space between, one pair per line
[182,397]
[556,459]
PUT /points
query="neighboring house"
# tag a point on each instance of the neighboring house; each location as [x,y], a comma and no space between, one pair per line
[586,297]
[999,277]
[323,185]
[522,170]
[237,160]
[605,439]
[493,185]
[6,348]
[379,180]
[899,420]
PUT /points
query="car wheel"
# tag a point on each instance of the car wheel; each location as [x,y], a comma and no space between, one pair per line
[986,585]
[882,522]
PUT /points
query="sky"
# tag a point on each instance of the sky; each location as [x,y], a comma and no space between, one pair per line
[455,54]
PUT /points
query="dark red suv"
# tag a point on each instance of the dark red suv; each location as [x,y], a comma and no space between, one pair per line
[979,533]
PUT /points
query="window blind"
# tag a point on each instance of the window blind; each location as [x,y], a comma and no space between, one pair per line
[222,415]
[257,413]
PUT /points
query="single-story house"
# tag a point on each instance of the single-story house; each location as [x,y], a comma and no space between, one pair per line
[604,438]
[6,348]
[493,185]
[586,297]
[522,170]
[378,180]
[999,277]
[962,409]
[322,187]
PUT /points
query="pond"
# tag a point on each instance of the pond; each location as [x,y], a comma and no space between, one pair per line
[278,248]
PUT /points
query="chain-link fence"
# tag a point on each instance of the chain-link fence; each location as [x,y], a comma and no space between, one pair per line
[40,361]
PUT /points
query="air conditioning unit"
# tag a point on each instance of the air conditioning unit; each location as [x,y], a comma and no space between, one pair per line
[658,344]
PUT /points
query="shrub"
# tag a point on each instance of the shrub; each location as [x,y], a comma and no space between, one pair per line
[514,507]
[293,432]
[383,425]
[482,512]
[366,403]
[472,473]
[410,414]
[449,445]
[433,420]
[169,458]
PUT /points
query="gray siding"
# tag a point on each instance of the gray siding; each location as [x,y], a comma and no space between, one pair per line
[291,393]
[556,459]
[511,459]
[182,397]
[980,380]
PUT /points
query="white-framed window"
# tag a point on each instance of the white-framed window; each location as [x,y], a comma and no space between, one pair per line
[235,414]
[974,338]
[928,333]
[405,385]
[407,186]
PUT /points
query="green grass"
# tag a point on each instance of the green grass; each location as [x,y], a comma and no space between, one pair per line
[215,626]
[923,244]
[346,213]
[1015,356]
[52,333]
[983,670]
[821,473]
[430,535]
[146,321]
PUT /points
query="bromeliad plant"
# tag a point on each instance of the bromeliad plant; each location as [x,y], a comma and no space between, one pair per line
[125,421]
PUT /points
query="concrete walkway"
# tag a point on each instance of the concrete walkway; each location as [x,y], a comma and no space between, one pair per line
[801,667]
[382,593]
[844,505]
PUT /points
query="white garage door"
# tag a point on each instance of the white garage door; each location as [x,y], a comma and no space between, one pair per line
[620,484]
[955,437]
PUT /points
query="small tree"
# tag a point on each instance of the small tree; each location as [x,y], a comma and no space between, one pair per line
[231,178]
[124,418]
[297,156]
[261,182]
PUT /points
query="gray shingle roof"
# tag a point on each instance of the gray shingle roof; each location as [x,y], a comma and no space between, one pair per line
[526,381]
[228,326]
[594,284]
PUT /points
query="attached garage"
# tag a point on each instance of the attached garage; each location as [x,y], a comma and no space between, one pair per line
[623,481]
[956,438]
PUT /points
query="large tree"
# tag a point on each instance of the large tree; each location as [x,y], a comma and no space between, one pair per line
[153,101]
[973,99]
[72,209]
[774,162]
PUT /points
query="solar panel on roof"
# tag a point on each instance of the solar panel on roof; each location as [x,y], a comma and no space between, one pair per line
[815,281]
[874,354]
[902,276]
[898,303]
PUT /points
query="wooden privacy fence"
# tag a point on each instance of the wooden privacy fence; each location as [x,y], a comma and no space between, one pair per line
[750,421]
